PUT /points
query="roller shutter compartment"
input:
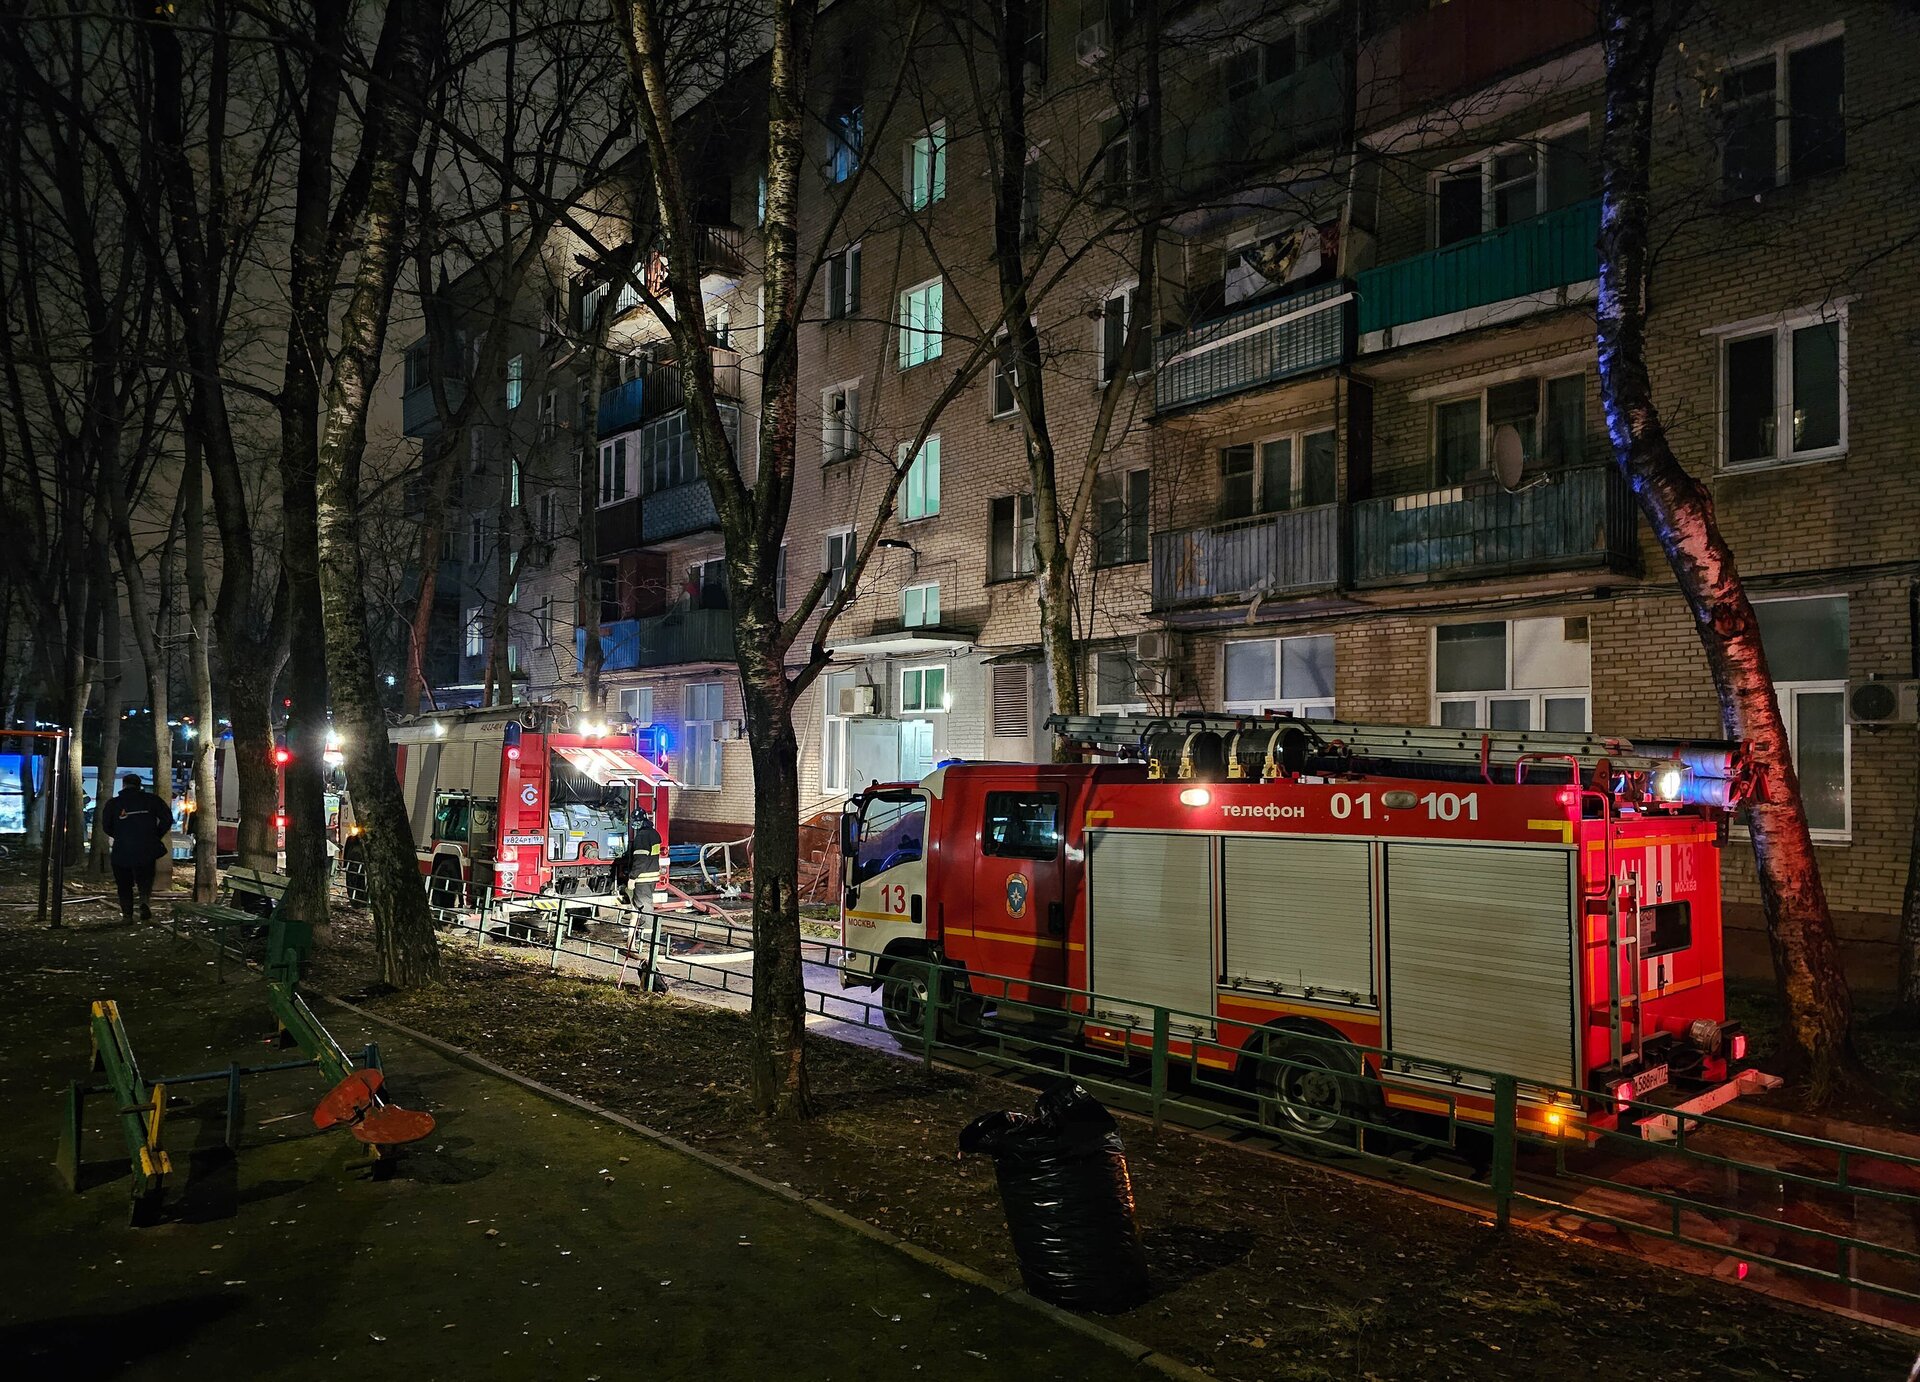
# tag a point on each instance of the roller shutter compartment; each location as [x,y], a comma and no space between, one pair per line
[1151,935]
[1480,958]
[1297,915]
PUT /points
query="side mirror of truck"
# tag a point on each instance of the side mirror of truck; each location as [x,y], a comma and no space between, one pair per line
[849,832]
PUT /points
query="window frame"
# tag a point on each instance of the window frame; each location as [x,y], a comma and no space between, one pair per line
[1537,461]
[1296,471]
[613,471]
[833,746]
[1788,694]
[1781,327]
[690,776]
[1101,707]
[1536,697]
[923,479]
[928,150]
[843,273]
[836,573]
[476,539]
[516,380]
[475,643]
[922,671]
[846,141]
[1025,556]
[1484,161]
[1140,521]
[929,592]
[1302,706]
[931,333]
[1127,293]
[840,442]
[646,691]
[1780,54]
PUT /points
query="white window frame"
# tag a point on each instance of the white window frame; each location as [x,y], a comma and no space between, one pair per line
[833,732]
[840,428]
[476,631]
[1296,467]
[476,539]
[1101,707]
[1536,697]
[1026,556]
[1780,53]
[998,368]
[643,696]
[516,380]
[703,729]
[928,600]
[1124,477]
[1788,694]
[926,152]
[1129,293]
[920,491]
[845,304]
[917,705]
[1781,327]
[1484,163]
[845,537]
[548,509]
[1303,706]
[614,460]
[922,344]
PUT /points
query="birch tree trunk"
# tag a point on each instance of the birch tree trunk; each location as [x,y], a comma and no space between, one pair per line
[409,955]
[206,814]
[1680,510]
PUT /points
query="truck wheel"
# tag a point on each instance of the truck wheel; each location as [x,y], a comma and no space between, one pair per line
[903,1002]
[1313,1089]
[353,872]
[443,887]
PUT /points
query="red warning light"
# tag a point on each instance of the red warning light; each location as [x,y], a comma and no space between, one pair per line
[282,757]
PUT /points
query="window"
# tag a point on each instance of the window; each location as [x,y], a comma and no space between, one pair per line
[845,133]
[636,703]
[1125,165]
[476,642]
[833,732]
[1548,415]
[1036,65]
[706,586]
[668,456]
[417,377]
[843,283]
[838,562]
[609,583]
[590,300]
[1806,643]
[1000,396]
[613,471]
[1513,182]
[1782,116]
[700,767]
[1116,316]
[513,483]
[920,495]
[549,521]
[1010,551]
[920,605]
[923,690]
[548,409]
[926,177]
[1116,682]
[920,325]
[1030,200]
[1273,261]
[1784,391]
[1293,676]
[1517,674]
[840,422]
[1021,825]
[516,380]
[476,539]
[1120,509]
[720,327]
[760,201]
[1277,474]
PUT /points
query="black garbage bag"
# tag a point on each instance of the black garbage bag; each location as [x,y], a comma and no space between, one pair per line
[1069,1200]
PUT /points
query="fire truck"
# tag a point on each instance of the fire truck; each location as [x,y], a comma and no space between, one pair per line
[1536,904]
[522,799]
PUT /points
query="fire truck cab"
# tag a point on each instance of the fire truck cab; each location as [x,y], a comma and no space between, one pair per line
[520,799]
[1541,905]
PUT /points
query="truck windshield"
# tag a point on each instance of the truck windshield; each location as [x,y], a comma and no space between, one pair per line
[585,820]
[893,830]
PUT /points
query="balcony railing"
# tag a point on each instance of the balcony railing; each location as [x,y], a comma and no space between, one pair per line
[617,527]
[418,417]
[659,390]
[664,640]
[677,511]
[1268,554]
[1517,261]
[1569,520]
[1254,346]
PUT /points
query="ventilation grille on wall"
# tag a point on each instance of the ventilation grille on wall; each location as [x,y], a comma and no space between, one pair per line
[1012,707]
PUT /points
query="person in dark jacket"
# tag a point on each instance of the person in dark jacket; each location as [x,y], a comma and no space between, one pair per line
[137,822]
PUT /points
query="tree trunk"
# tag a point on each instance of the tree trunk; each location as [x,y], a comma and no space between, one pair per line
[112,707]
[1805,957]
[779,1014]
[403,927]
[206,815]
[141,613]
[442,460]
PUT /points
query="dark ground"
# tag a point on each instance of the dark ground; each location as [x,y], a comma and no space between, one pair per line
[1263,1268]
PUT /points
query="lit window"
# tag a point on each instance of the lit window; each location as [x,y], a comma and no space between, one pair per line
[1806,643]
[927,167]
[833,733]
[840,422]
[1517,674]
[920,323]
[1292,676]
[846,133]
[920,605]
[923,690]
[476,632]
[1784,395]
[636,703]
[920,494]
[516,380]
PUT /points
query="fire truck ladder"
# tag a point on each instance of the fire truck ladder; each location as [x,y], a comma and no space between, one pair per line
[1221,747]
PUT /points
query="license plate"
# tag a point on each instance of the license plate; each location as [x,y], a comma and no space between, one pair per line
[1649,1079]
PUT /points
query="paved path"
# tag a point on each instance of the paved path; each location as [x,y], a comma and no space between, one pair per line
[524,1239]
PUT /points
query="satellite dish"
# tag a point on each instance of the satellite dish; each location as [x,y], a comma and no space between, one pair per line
[1509,456]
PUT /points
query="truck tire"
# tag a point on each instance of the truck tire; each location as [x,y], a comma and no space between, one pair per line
[1318,1092]
[903,1002]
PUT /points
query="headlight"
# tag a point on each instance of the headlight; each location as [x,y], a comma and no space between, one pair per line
[1669,781]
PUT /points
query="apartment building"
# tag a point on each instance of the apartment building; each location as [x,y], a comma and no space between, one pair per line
[1367,473]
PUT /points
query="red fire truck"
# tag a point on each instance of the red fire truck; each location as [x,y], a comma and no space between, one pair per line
[1541,905]
[525,800]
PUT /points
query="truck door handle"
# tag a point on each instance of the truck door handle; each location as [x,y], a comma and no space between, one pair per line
[913,909]
[1056,919]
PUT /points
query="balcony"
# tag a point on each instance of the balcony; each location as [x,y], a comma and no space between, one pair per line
[664,640]
[677,511]
[617,527]
[1571,520]
[1225,143]
[1270,554]
[659,390]
[1500,276]
[418,417]
[1257,345]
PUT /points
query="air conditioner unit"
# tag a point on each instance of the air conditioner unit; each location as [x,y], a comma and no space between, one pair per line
[726,729]
[1155,646]
[1093,43]
[856,700]
[1883,702]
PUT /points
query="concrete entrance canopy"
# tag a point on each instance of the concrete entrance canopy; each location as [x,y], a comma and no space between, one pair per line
[905,643]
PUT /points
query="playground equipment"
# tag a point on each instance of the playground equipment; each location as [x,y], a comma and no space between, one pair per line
[356,1099]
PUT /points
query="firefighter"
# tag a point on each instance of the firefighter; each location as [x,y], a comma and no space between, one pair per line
[639,868]
[137,822]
